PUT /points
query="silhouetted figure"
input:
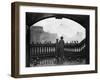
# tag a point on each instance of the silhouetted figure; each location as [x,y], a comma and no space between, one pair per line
[61,49]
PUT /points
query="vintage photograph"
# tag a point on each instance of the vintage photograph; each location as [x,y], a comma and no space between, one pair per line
[56,39]
[53,39]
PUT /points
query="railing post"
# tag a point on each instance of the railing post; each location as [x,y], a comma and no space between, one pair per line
[56,49]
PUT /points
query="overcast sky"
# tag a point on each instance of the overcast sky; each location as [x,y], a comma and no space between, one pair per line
[67,28]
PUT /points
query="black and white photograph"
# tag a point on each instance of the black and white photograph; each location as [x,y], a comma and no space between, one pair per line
[56,39]
[52,39]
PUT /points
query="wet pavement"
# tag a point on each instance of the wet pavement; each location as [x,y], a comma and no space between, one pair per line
[57,62]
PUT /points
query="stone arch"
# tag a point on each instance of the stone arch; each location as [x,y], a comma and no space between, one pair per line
[32,18]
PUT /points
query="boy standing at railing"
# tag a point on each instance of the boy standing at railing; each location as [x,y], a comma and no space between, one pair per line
[61,49]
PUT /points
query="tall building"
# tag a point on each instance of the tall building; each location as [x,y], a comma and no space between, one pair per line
[37,34]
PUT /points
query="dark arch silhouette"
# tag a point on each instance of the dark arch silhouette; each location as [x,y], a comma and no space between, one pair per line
[32,18]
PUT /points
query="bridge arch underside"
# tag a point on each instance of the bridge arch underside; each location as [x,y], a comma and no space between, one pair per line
[32,18]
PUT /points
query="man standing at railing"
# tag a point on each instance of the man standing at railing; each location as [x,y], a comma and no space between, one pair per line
[61,49]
